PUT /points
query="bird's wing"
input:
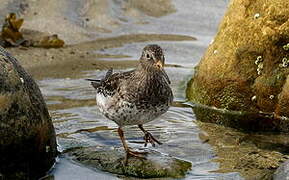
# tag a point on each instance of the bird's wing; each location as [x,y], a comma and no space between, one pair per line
[108,73]
[110,83]
[97,82]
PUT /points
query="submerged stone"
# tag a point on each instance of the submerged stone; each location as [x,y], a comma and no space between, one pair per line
[249,73]
[27,143]
[155,165]
[255,155]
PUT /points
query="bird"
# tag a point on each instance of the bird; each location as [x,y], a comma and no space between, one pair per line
[136,97]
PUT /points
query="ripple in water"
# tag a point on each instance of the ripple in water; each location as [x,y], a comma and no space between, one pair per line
[81,125]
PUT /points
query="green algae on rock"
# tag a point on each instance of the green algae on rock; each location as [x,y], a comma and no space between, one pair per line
[156,165]
[245,68]
[27,143]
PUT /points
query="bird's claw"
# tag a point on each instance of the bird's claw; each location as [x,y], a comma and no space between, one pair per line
[135,154]
[150,139]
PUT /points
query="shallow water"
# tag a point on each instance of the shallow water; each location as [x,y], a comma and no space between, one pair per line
[71,100]
[77,123]
[82,125]
[72,106]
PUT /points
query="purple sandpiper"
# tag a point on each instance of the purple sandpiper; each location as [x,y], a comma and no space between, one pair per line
[136,97]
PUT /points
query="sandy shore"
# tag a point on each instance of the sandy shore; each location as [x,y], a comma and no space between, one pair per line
[71,60]
[83,20]
[83,26]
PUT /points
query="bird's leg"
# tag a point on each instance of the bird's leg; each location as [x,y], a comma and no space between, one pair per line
[148,137]
[126,148]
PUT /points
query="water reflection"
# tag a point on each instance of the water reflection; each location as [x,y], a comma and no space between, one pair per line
[77,123]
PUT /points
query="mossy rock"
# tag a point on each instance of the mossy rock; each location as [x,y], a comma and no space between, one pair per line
[246,67]
[28,142]
[155,165]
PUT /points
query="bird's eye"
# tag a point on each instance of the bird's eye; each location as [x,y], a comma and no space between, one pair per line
[148,56]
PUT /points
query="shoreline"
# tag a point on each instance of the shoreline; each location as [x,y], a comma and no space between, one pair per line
[71,60]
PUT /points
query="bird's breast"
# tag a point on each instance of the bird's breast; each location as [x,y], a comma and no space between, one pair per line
[102,101]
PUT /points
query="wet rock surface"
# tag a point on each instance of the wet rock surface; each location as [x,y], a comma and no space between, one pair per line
[27,143]
[246,66]
[282,173]
[155,165]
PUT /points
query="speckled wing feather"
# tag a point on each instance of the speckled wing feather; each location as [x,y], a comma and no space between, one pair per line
[143,89]
[110,83]
[97,82]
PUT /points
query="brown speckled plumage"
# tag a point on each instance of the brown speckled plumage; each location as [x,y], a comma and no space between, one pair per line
[138,96]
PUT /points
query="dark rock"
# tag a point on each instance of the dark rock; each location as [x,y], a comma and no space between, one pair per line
[155,165]
[27,143]
[246,67]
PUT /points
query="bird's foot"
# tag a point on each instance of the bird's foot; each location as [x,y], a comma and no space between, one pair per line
[136,153]
[148,137]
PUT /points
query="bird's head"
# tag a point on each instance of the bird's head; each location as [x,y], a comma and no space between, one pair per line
[153,59]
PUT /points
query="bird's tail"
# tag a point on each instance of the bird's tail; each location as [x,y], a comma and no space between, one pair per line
[97,82]
[94,82]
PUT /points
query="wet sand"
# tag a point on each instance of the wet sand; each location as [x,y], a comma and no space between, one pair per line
[83,20]
[74,59]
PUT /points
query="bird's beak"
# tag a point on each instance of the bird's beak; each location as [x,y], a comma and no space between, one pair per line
[160,65]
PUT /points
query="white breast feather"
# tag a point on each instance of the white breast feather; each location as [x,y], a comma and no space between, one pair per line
[101,100]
